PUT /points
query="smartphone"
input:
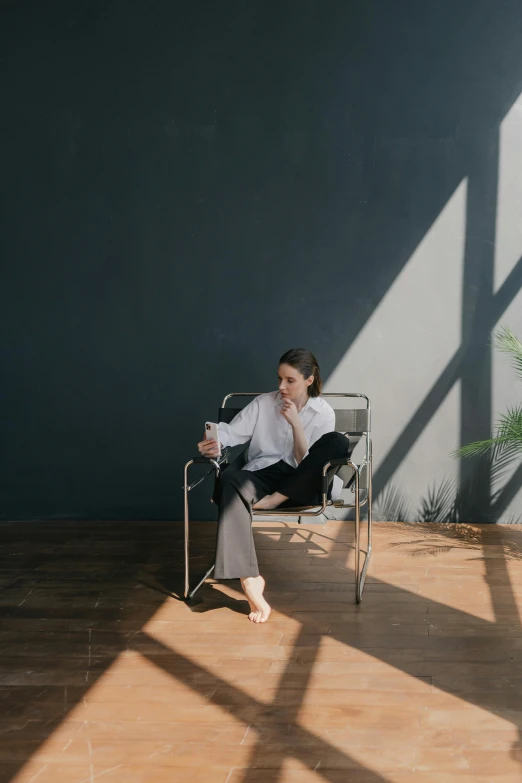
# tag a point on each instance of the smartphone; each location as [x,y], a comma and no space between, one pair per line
[211,433]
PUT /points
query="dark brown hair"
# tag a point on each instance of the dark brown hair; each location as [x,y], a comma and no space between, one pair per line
[304,361]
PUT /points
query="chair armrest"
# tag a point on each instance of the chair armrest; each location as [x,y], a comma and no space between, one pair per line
[338,463]
[199,460]
[211,462]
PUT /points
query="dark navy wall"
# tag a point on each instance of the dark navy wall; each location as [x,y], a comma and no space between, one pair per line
[191,188]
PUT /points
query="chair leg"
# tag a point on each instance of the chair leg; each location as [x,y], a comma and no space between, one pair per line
[357,537]
[194,590]
[186,528]
[361,575]
[188,593]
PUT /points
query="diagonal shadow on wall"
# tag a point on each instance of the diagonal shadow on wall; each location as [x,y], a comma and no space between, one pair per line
[468,355]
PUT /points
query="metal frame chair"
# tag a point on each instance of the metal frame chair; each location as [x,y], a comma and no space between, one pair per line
[356,424]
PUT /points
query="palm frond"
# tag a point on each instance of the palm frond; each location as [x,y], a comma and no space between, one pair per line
[391,505]
[482,446]
[502,458]
[508,438]
[510,424]
[509,427]
[505,341]
[439,503]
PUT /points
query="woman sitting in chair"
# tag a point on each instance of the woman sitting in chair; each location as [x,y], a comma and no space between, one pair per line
[291,434]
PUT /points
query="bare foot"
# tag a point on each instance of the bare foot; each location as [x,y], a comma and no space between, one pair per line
[253,587]
[269,502]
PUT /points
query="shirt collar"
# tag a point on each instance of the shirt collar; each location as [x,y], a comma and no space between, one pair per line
[313,402]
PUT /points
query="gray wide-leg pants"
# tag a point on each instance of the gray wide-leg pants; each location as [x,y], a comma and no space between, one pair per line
[237,490]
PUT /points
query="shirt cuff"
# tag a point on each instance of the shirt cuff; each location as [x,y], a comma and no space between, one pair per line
[223,436]
[296,463]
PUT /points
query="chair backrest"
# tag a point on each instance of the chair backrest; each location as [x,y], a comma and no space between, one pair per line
[352,422]
[227,414]
[355,421]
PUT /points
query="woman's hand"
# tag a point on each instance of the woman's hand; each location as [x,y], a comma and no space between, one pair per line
[289,411]
[208,448]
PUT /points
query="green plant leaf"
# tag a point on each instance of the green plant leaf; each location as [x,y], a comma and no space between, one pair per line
[501,459]
[505,341]
[510,424]
[481,446]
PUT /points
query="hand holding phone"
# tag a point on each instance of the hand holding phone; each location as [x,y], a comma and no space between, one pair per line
[210,446]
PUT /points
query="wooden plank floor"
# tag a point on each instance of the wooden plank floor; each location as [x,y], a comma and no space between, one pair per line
[105,676]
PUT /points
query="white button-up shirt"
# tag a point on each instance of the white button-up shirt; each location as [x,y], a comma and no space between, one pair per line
[270,435]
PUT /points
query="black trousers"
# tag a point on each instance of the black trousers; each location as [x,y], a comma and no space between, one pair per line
[237,490]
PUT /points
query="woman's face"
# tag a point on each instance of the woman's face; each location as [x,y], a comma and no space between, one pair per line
[292,384]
